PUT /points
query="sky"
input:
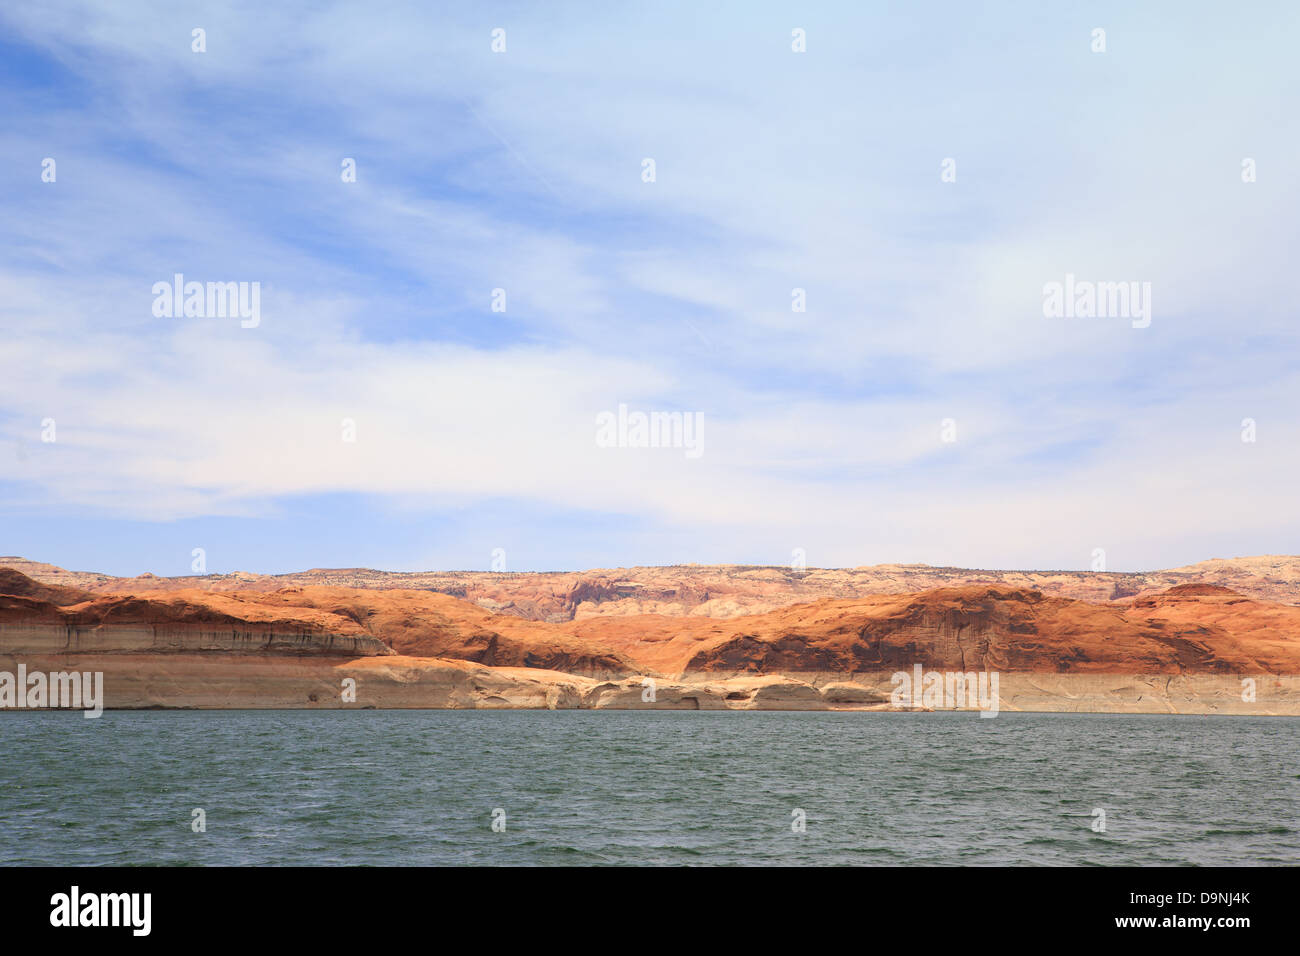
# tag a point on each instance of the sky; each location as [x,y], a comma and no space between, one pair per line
[921,171]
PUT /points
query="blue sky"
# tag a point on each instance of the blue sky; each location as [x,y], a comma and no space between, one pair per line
[522,170]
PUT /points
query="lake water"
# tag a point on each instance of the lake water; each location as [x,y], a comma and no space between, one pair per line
[609,787]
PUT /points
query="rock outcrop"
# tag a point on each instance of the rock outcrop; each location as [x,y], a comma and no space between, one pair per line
[426,648]
[717,591]
[40,620]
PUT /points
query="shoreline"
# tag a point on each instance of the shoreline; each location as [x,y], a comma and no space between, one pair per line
[223,681]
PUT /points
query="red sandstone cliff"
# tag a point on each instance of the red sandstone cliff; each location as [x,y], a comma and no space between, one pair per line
[718,591]
[1188,629]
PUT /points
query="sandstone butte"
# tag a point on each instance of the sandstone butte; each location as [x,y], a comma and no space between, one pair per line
[1188,640]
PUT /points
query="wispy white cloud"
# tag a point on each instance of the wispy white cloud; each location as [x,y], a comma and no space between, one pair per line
[775,171]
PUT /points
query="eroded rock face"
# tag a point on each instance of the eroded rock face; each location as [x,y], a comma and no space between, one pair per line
[207,681]
[17,584]
[719,591]
[1188,629]
[169,623]
[835,653]
[988,628]
[132,639]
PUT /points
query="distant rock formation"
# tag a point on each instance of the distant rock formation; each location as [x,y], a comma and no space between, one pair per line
[810,651]
[718,591]
[36,619]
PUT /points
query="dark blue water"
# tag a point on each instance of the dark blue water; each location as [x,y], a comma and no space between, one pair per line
[608,787]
